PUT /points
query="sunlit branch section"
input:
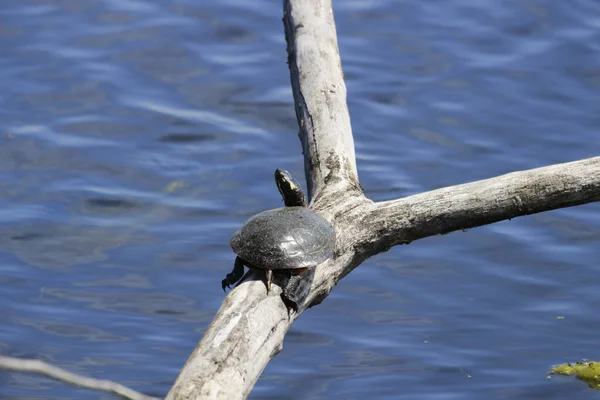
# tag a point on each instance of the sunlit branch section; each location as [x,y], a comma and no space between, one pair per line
[319,94]
[479,203]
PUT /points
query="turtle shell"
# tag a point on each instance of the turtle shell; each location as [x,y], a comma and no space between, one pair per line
[282,238]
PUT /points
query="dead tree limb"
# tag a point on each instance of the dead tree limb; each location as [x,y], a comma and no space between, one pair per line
[249,328]
[51,371]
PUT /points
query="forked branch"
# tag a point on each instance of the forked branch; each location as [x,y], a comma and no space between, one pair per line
[249,328]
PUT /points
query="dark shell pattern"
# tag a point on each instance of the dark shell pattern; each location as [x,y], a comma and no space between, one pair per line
[282,238]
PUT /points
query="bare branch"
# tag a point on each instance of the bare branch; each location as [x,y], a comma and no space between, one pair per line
[365,228]
[478,203]
[319,94]
[246,333]
[40,367]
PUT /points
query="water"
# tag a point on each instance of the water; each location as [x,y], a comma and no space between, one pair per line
[136,136]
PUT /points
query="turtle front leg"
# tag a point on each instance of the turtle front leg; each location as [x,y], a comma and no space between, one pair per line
[235,275]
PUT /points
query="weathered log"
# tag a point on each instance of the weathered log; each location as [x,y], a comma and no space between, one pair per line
[250,326]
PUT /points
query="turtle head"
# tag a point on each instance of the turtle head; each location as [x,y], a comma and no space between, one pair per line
[290,189]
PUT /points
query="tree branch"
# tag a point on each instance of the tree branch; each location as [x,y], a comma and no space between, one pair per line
[319,95]
[478,203]
[40,367]
[365,229]
[250,326]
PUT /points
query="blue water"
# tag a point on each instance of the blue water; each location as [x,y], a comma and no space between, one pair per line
[136,136]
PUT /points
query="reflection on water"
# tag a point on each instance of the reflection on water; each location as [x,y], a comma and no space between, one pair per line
[137,136]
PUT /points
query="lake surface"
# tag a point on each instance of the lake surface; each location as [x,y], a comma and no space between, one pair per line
[136,136]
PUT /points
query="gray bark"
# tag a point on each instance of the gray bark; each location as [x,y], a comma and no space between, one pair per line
[319,95]
[250,326]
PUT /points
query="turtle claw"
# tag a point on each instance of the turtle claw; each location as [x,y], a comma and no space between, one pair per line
[234,276]
[225,284]
[269,276]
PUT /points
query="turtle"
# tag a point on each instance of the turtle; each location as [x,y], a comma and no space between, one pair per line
[291,238]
